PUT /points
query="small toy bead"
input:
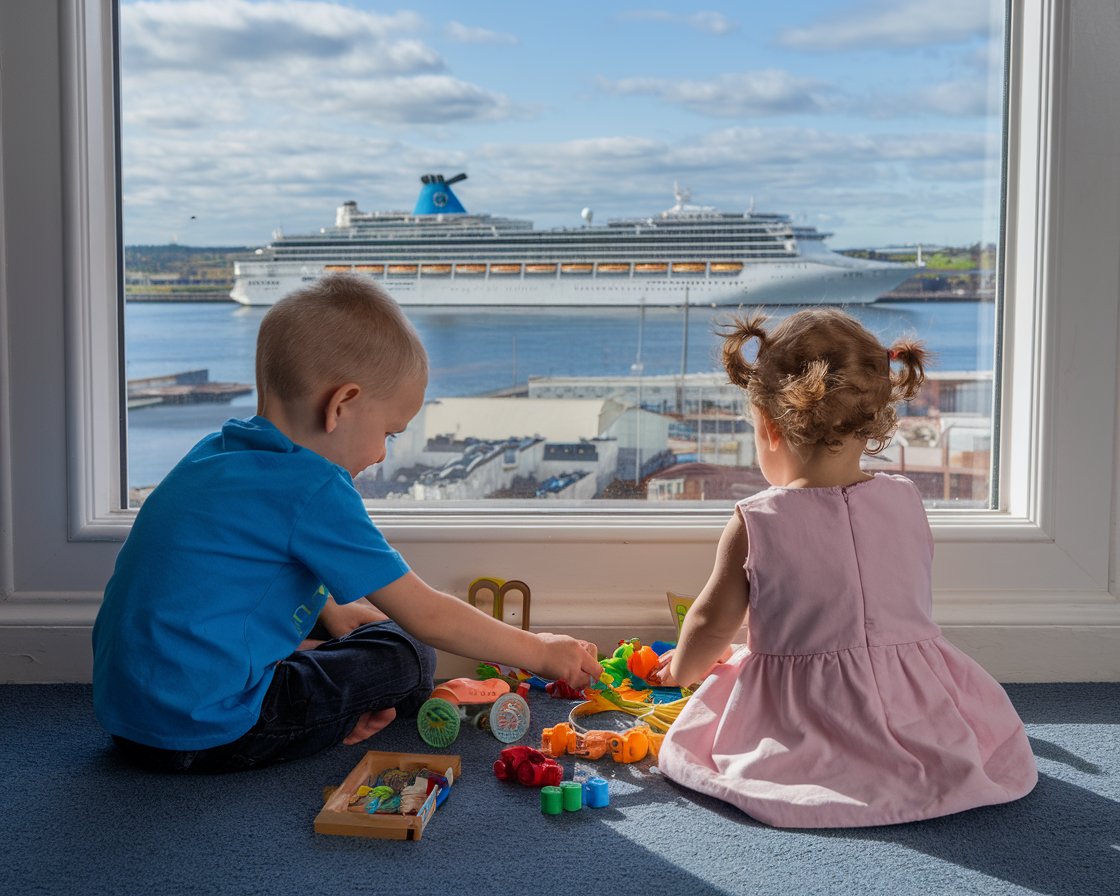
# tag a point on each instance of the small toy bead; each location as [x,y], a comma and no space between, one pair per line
[551,800]
[572,794]
[595,793]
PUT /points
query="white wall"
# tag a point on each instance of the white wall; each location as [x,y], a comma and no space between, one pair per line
[1028,588]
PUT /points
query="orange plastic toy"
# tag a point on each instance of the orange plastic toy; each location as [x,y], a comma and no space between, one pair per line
[643,661]
[623,746]
[464,691]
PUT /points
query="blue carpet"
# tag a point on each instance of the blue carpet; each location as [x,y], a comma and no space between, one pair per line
[76,820]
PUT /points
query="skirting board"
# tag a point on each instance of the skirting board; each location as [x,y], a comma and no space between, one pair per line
[56,654]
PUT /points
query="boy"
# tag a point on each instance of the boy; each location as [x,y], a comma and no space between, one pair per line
[257,533]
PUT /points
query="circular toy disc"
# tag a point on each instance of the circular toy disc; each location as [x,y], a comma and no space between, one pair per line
[438,722]
[509,718]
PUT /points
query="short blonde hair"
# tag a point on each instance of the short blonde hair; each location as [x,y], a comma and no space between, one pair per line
[339,329]
[821,376]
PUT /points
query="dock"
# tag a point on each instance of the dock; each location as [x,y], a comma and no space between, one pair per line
[188,387]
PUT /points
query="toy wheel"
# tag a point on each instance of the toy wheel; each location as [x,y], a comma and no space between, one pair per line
[509,718]
[438,722]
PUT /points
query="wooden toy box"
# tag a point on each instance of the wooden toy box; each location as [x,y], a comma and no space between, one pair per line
[334,818]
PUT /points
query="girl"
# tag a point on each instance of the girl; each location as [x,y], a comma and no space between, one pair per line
[847,707]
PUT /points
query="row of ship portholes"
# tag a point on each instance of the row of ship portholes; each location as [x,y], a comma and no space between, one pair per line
[533,270]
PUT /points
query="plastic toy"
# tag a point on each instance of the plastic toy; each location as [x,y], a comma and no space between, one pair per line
[499,590]
[528,767]
[632,745]
[440,718]
[642,661]
[595,793]
[552,802]
[628,667]
[561,690]
[658,716]
[571,795]
[515,678]
[679,605]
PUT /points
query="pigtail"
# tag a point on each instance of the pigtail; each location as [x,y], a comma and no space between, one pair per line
[735,337]
[906,382]
[802,392]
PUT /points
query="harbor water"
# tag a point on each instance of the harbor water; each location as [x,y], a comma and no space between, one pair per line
[483,351]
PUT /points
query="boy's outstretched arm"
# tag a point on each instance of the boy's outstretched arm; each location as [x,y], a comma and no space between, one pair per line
[712,621]
[448,623]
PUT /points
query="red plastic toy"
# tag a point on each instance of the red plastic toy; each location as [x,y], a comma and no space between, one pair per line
[561,690]
[528,767]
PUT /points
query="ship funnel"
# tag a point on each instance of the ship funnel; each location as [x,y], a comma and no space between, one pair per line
[436,197]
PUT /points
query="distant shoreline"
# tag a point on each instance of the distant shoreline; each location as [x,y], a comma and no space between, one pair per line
[224,298]
[179,297]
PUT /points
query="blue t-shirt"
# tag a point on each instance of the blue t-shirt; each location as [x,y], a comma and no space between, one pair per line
[225,571]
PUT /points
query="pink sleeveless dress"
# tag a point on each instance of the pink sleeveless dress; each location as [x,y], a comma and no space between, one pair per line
[847,707]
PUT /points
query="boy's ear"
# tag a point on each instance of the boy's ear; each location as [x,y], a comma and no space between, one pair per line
[339,402]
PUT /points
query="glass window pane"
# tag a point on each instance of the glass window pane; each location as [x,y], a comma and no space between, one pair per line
[633,179]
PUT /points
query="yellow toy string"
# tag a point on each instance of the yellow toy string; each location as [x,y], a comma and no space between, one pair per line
[659,716]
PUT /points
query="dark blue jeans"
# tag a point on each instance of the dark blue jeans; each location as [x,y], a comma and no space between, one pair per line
[314,700]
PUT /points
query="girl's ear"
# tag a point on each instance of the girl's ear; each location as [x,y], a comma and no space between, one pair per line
[338,404]
[773,433]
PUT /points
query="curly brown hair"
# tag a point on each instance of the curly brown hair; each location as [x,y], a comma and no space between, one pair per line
[821,377]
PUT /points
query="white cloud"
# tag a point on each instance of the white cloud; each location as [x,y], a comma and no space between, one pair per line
[467,34]
[230,35]
[710,22]
[894,23]
[426,100]
[964,97]
[735,95]
[196,65]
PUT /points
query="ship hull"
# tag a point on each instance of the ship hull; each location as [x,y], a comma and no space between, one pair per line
[806,282]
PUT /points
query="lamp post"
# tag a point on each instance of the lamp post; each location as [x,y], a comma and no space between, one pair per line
[637,367]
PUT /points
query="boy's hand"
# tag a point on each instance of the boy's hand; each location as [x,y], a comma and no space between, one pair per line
[568,659]
[341,619]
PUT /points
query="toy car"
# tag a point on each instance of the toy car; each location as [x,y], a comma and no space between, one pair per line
[442,714]
[528,767]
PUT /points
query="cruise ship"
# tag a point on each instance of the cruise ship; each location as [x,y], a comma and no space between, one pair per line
[442,255]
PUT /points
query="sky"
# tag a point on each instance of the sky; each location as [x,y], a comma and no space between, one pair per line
[878,121]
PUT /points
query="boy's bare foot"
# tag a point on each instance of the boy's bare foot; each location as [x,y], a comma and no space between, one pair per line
[309,644]
[368,724]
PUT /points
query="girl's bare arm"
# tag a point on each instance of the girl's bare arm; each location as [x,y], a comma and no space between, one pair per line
[713,620]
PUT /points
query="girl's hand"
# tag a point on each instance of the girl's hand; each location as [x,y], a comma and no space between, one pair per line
[660,676]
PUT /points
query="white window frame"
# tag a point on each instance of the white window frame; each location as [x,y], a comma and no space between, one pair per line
[1029,588]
